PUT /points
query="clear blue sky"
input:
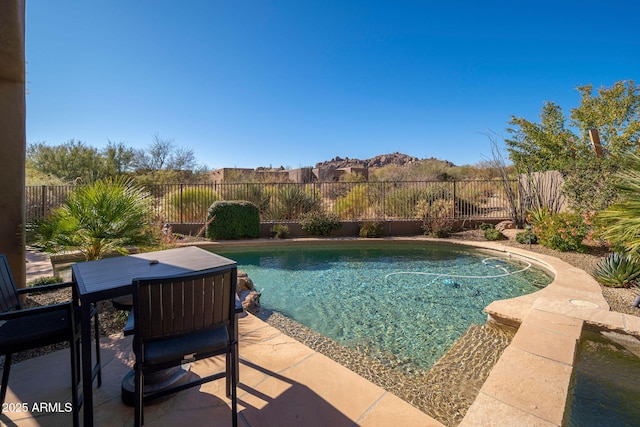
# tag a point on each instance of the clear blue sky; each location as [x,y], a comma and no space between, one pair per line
[294,82]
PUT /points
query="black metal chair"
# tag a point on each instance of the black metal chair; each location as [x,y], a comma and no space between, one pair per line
[25,329]
[183,319]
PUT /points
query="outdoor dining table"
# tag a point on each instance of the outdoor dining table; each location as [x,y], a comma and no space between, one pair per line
[109,278]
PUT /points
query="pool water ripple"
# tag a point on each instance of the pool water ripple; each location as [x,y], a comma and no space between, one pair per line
[355,296]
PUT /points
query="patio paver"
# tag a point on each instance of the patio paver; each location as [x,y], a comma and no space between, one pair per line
[282,383]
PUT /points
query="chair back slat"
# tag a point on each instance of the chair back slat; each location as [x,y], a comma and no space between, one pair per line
[189,307]
[8,295]
[182,304]
[178,317]
[222,304]
[198,303]
[167,306]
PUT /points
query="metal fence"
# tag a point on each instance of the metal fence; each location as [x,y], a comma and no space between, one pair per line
[399,200]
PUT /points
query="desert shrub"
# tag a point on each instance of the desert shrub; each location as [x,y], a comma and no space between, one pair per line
[189,204]
[334,190]
[251,192]
[590,183]
[563,231]
[492,233]
[290,201]
[370,229]
[618,270]
[485,226]
[318,223]
[537,215]
[357,203]
[44,280]
[436,217]
[279,231]
[526,237]
[233,220]
[405,202]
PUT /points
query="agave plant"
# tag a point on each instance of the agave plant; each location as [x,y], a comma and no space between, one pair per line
[618,270]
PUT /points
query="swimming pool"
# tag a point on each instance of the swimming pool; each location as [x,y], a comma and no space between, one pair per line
[403,303]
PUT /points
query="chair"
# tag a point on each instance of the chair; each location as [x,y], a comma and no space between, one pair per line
[183,319]
[25,329]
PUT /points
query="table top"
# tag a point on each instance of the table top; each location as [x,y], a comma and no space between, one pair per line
[111,277]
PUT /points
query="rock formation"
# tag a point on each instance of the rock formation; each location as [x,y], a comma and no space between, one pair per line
[247,293]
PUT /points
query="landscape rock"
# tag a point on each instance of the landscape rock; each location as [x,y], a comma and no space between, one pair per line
[505,225]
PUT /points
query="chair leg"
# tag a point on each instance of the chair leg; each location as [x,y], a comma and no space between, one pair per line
[234,397]
[97,334]
[75,404]
[5,377]
[139,403]
[229,378]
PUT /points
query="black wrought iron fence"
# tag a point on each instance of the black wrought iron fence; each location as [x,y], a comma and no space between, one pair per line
[400,200]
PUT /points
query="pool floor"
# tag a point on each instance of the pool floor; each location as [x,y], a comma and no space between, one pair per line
[402,305]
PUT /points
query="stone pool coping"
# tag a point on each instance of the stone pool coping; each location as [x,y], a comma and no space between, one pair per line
[530,383]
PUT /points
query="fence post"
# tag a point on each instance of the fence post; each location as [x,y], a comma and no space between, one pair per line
[181,206]
[454,200]
[43,199]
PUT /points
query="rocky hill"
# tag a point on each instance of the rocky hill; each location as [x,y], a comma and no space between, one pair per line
[375,162]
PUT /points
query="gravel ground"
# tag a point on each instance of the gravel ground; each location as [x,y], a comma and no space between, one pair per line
[446,391]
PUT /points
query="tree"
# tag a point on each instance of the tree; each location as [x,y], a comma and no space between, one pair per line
[162,154]
[107,215]
[551,145]
[182,159]
[543,146]
[70,161]
[118,158]
[614,112]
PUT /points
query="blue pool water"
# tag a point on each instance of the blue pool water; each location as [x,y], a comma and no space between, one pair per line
[403,302]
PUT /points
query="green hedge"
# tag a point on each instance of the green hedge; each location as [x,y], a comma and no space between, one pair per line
[233,220]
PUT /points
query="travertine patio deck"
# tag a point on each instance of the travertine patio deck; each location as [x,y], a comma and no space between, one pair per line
[282,383]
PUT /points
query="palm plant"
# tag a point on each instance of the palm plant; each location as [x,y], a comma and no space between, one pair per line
[107,215]
[621,221]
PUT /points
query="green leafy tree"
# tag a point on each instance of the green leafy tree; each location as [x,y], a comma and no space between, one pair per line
[615,112]
[118,158]
[588,183]
[107,215]
[551,144]
[71,161]
[543,146]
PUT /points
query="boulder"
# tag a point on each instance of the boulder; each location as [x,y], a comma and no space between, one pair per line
[247,293]
[244,282]
[505,225]
[250,301]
